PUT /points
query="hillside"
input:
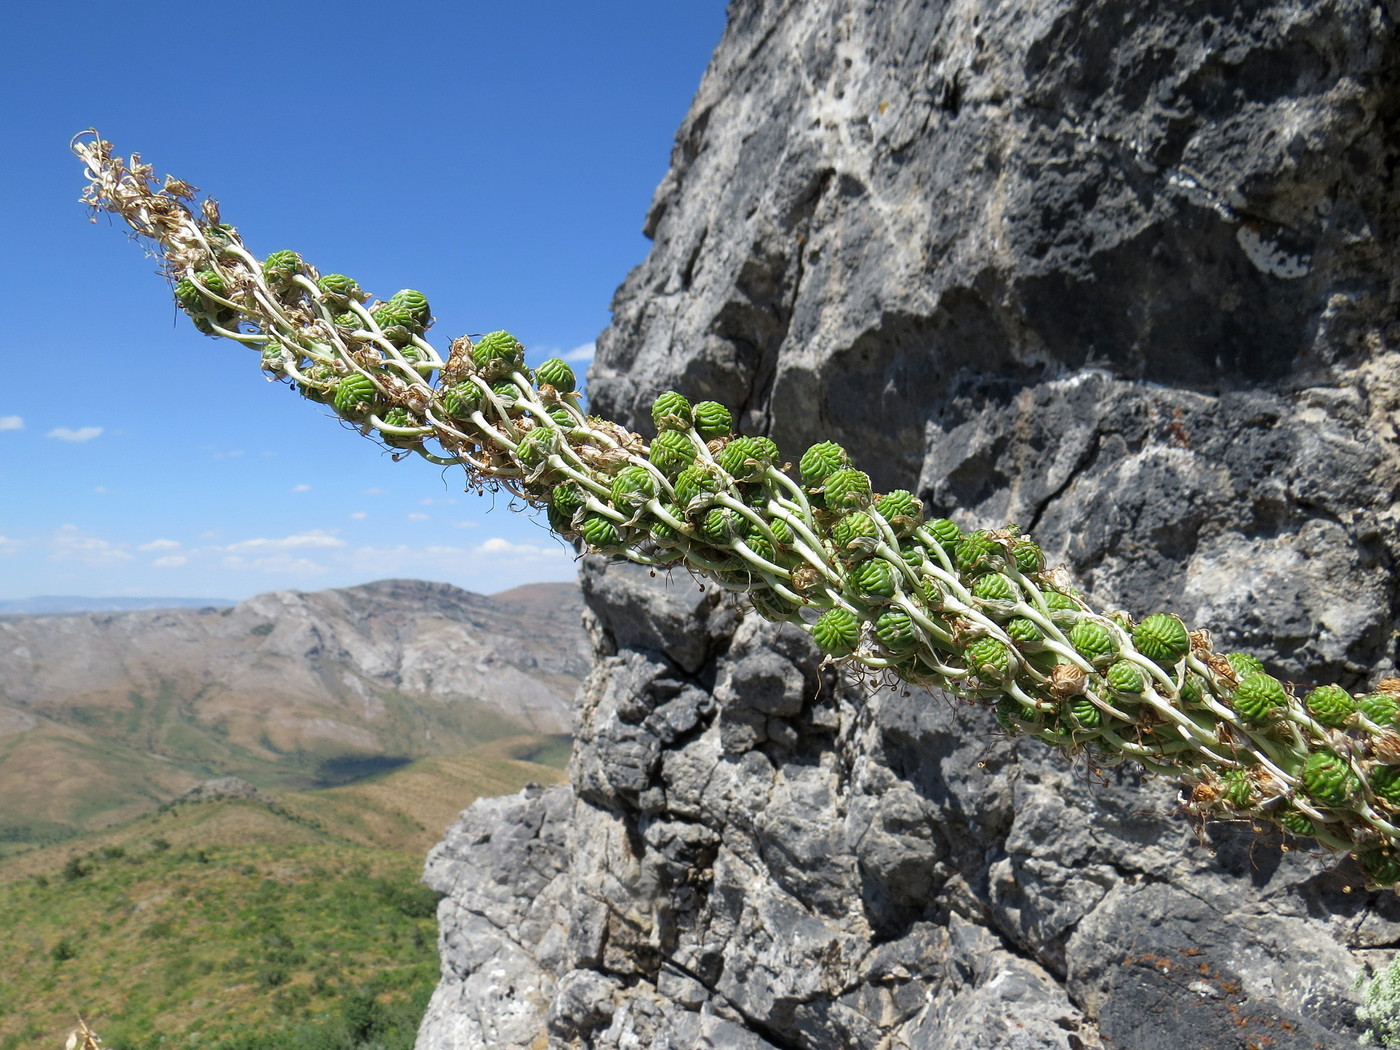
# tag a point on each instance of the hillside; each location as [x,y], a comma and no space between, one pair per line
[117,713]
[281,920]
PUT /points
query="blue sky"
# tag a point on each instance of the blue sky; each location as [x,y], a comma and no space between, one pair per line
[499,157]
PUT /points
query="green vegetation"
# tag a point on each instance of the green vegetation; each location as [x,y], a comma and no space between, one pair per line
[1380,1009]
[298,923]
[314,944]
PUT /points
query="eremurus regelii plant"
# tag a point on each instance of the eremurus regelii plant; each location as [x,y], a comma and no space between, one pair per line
[974,614]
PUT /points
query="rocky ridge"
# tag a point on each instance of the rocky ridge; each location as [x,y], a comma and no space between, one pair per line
[397,668]
[1125,275]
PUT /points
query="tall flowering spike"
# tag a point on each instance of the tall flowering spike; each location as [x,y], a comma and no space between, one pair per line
[976,614]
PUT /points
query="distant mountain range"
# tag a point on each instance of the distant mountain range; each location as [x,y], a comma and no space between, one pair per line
[105,715]
[72,603]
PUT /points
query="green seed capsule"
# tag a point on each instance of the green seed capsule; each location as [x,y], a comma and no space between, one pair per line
[498,354]
[213,283]
[338,286]
[1329,778]
[1192,690]
[632,486]
[978,552]
[413,304]
[995,587]
[758,543]
[712,420]
[399,417]
[847,489]
[567,498]
[1124,676]
[1380,708]
[1092,640]
[913,553]
[1243,663]
[389,315]
[1028,556]
[1163,639]
[837,632]
[1060,607]
[187,295]
[1259,696]
[896,631]
[507,393]
[946,533]
[1024,631]
[771,605]
[562,416]
[280,267]
[855,534]
[719,525]
[821,461]
[672,411]
[782,532]
[663,533]
[600,533]
[536,447]
[1238,788]
[990,659]
[1297,823]
[556,373]
[931,590]
[671,452]
[744,459]
[356,397]
[1381,864]
[275,357]
[1385,782]
[1085,713]
[1330,705]
[695,487]
[875,578]
[461,400]
[902,509]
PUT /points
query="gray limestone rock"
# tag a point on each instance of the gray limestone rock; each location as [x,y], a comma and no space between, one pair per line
[1122,273]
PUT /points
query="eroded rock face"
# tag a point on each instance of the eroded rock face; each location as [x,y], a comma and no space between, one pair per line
[1122,273]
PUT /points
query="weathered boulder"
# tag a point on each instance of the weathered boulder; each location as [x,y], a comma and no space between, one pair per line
[1122,273]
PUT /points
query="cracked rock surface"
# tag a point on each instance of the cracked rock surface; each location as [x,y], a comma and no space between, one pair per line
[1122,273]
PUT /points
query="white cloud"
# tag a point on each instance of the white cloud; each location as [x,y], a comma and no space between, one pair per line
[417,517]
[503,549]
[430,502]
[11,423]
[358,515]
[99,488]
[315,538]
[159,545]
[81,434]
[442,562]
[581,353]
[71,544]
[276,563]
[371,492]
[170,561]
[303,487]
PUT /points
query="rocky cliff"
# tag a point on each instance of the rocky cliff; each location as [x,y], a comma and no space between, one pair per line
[1125,274]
